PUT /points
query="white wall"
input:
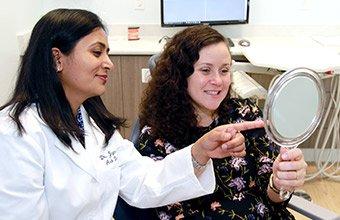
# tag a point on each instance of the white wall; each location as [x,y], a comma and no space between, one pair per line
[15,16]
[113,11]
[295,12]
[262,12]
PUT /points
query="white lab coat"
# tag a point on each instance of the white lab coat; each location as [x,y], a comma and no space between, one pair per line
[42,179]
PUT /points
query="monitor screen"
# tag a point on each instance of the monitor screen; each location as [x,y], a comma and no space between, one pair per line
[213,12]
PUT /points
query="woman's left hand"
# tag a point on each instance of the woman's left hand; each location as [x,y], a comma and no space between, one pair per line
[289,169]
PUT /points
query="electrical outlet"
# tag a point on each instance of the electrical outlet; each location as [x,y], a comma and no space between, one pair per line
[305,5]
[146,76]
[139,4]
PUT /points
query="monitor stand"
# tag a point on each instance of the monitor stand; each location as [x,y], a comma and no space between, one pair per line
[230,42]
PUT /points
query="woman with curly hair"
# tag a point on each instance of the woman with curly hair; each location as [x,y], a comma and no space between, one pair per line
[187,97]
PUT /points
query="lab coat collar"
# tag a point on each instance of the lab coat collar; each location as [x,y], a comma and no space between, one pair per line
[83,158]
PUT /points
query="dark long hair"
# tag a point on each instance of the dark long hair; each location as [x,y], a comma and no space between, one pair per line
[166,105]
[38,81]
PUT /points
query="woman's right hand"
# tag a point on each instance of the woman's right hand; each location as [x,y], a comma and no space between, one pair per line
[223,141]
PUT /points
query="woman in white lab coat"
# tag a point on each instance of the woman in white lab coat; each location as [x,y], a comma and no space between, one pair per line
[61,156]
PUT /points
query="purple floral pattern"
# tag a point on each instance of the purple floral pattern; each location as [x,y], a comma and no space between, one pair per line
[238,182]
[261,209]
[241,182]
[237,162]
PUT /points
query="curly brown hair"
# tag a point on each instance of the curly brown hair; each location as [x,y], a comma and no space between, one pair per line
[166,105]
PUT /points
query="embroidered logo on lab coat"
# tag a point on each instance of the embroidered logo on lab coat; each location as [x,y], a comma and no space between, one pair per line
[108,156]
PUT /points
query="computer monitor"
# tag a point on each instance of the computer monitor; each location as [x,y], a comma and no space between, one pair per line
[212,12]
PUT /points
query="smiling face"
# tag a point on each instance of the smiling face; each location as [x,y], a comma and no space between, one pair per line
[209,84]
[84,72]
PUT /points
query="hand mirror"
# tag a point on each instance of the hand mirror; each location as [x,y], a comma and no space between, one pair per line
[293,108]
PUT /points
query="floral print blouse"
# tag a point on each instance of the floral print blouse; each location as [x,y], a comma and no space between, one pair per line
[241,182]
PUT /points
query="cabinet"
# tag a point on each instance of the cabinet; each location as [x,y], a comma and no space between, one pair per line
[124,88]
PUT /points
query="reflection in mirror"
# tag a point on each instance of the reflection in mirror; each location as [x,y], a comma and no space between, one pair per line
[295,107]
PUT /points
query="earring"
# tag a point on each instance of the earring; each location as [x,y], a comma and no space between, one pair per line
[58,66]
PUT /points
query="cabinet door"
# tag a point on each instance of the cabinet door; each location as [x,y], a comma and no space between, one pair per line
[113,96]
[132,86]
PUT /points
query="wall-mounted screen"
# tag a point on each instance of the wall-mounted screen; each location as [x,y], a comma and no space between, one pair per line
[213,12]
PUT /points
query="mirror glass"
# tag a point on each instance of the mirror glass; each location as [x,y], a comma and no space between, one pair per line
[294,107]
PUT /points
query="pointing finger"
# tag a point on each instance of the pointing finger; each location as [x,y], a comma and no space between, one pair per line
[247,125]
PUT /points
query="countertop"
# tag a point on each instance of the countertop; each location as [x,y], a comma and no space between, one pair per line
[147,46]
[319,53]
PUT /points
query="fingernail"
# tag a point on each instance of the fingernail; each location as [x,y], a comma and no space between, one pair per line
[285,156]
[224,147]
